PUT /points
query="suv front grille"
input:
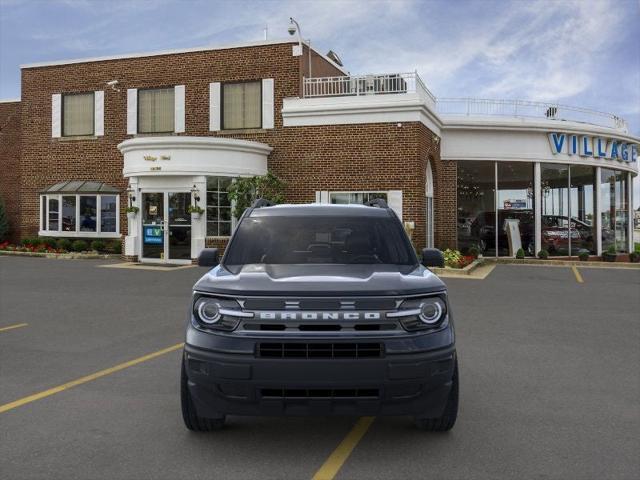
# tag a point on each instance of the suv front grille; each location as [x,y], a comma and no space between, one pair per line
[320,393]
[320,350]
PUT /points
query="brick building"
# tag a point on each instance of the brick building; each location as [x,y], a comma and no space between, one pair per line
[165,130]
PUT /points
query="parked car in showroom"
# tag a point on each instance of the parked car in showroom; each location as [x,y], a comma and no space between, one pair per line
[320,310]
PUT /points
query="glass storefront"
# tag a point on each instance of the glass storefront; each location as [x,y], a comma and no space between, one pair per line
[496,204]
[477,206]
[614,209]
[516,220]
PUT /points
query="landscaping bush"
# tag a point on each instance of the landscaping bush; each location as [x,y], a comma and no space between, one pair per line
[474,251]
[520,253]
[583,255]
[79,246]
[115,247]
[97,245]
[47,242]
[634,257]
[27,241]
[452,258]
[64,244]
[543,254]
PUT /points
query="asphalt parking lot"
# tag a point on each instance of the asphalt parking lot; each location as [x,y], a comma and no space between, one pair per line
[549,371]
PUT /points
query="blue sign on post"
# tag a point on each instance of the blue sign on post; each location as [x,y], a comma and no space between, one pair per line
[152,235]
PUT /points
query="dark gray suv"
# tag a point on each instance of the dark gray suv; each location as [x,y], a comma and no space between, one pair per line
[320,310]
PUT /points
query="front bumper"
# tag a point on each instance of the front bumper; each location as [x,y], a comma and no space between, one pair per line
[413,377]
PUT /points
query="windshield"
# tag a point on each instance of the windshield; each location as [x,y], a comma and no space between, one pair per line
[319,240]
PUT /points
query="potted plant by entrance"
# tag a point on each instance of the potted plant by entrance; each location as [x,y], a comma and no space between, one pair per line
[610,255]
[131,212]
[635,255]
[583,255]
[195,211]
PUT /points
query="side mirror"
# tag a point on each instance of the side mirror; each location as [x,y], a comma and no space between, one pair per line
[432,257]
[208,257]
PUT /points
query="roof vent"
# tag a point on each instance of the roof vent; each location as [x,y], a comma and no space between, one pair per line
[333,56]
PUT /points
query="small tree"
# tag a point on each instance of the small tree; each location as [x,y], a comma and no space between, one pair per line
[4,222]
[244,191]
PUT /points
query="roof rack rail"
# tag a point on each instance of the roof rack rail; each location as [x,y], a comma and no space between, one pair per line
[262,202]
[377,202]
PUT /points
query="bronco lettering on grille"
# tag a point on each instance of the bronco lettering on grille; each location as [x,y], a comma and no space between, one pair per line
[319,315]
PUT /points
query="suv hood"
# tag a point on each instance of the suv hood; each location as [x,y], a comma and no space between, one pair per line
[321,280]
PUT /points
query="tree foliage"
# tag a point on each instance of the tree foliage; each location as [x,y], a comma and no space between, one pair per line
[244,191]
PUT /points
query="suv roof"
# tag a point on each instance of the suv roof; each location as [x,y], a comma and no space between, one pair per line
[320,209]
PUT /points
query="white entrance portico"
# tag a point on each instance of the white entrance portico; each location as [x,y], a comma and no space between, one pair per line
[167,174]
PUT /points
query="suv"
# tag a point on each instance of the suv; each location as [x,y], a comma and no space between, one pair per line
[319,310]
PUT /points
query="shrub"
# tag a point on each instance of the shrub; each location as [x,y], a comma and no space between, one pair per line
[79,246]
[474,251]
[611,250]
[115,247]
[64,244]
[28,241]
[520,253]
[47,242]
[583,255]
[452,258]
[543,254]
[4,222]
[634,257]
[97,245]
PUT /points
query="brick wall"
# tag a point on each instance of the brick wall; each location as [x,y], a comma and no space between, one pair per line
[340,157]
[10,164]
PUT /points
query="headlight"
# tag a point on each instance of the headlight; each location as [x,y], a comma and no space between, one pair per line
[421,313]
[431,310]
[218,313]
[208,310]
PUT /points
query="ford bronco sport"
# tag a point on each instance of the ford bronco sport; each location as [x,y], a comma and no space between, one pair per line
[319,310]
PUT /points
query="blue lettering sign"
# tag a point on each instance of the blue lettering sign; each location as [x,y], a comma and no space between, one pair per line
[573,148]
[614,150]
[557,142]
[634,153]
[601,147]
[586,147]
[152,235]
[624,153]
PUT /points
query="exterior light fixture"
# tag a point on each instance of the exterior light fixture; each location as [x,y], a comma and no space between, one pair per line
[194,193]
[132,197]
[294,27]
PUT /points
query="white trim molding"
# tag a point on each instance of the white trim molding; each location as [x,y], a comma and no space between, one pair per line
[98,112]
[56,115]
[214,107]
[132,111]
[182,155]
[268,113]
[179,111]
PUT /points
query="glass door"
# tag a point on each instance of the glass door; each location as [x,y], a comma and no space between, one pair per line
[179,242]
[153,215]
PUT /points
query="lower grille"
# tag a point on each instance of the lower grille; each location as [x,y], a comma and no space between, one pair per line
[320,350]
[320,393]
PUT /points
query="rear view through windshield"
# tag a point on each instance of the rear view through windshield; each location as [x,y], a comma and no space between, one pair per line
[320,240]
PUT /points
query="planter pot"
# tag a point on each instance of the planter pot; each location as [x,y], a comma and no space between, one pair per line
[609,257]
[634,257]
[195,216]
[131,216]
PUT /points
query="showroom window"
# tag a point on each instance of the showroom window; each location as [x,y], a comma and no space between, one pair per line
[346,198]
[78,114]
[477,206]
[71,209]
[241,105]
[614,209]
[156,110]
[516,221]
[219,218]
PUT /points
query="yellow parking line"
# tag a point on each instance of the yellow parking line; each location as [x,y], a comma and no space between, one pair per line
[577,274]
[330,468]
[11,327]
[88,378]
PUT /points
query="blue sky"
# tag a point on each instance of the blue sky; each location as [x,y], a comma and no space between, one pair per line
[579,52]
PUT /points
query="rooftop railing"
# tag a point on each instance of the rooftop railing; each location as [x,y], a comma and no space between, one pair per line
[528,109]
[400,83]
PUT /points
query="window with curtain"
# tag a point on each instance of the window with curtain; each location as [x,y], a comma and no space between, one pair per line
[241,105]
[77,114]
[156,110]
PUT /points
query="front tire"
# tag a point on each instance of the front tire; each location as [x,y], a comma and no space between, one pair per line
[447,420]
[192,420]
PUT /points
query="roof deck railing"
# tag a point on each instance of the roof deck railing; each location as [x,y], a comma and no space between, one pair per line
[403,83]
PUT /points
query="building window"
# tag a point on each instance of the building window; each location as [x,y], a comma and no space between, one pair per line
[69,215]
[78,114]
[347,198]
[241,105]
[614,209]
[219,219]
[477,206]
[156,110]
[516,200]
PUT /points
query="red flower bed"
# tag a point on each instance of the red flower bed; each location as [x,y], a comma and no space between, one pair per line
[466,260]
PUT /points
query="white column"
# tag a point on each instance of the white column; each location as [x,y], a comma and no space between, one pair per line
[132,246]
[537,207]
[598,213]
[199,226]
[630,211]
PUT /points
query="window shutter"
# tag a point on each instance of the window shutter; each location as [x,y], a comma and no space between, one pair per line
[267,103]
[98,111]
[394,200]
[132,111]
[324,197]
[179,111]
[56,115]
[214,106]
